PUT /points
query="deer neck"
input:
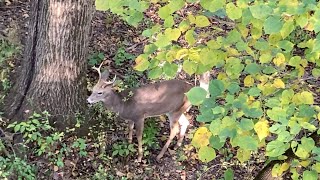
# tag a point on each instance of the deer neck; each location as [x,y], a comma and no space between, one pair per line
[115,103]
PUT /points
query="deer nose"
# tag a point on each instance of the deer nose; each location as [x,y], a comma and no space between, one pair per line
[89,101]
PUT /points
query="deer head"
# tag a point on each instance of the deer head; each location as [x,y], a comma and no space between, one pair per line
[103,89]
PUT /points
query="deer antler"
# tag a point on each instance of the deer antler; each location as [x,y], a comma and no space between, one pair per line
[104,75]
[98,69]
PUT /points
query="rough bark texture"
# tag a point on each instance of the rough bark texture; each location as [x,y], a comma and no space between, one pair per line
[53,72]
[266,172]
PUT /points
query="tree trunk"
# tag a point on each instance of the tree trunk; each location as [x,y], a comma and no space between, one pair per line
[266,172]
[52,75]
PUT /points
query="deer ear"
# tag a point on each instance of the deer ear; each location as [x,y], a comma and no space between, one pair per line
[105,75]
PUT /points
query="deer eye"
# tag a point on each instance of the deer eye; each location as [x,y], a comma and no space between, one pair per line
[99,93]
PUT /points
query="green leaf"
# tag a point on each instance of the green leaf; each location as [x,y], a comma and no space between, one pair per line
[243,155]
[246,124]
[134,18]
[295,61]
[170,69]
[184,26]
[196,95]
[234,67]
[233,88]
[168,22]
[216,88]
[206,154]
[228,174]
[16,128]
[272,102]
[212,57]
[176,5]
[304,149]
[164,12]
[189,67]
[260,11]
[254,91]
[253,112]
[247,142]
[102,5]
[189,37]
[272,25]
[265,58]
[150,48]
[286,45]
[269,70]
[253,68]
[310,175]
[316,72]
[316,47]
[172,34]
[233,11]
[306,111]
[287,28]
[233,37]
[276,148]
[162,41]
[202,21]
[277,114]
[302,20]
[215,142]
[261,45]
[155,73]
[212,5]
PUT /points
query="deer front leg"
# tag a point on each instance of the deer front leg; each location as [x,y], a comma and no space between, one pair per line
[174,129]
[131,126]
[139,132]
[184,123]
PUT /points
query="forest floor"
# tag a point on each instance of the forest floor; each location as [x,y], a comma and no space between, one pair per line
[118,43]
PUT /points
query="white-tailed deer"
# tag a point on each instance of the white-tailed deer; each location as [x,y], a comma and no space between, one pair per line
[134,105]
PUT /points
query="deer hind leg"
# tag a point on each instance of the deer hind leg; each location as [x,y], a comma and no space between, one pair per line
[174,130]
[139,132]
[184,123]
[131,126]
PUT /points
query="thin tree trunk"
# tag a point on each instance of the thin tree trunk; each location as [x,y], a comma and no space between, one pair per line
[266,172]
[52,76]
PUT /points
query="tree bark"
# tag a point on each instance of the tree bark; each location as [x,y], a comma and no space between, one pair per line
[266,172]
[52,75]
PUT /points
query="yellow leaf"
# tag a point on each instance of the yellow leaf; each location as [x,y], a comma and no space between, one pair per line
[307,97]
[222,76]
[267,88]
[201,137]
[243,155]
[278,169]
[284,167]
[316,167]
[279,59]
[318,116]
[248,81]
[275,170]
[300,71]
[182,53]
[278,83]
[297,99]
[232,52]
[305,163]
[191,18]
[262,128]
[243,30]
[262,78]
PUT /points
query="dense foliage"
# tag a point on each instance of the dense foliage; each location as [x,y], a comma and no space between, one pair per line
[266,63]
